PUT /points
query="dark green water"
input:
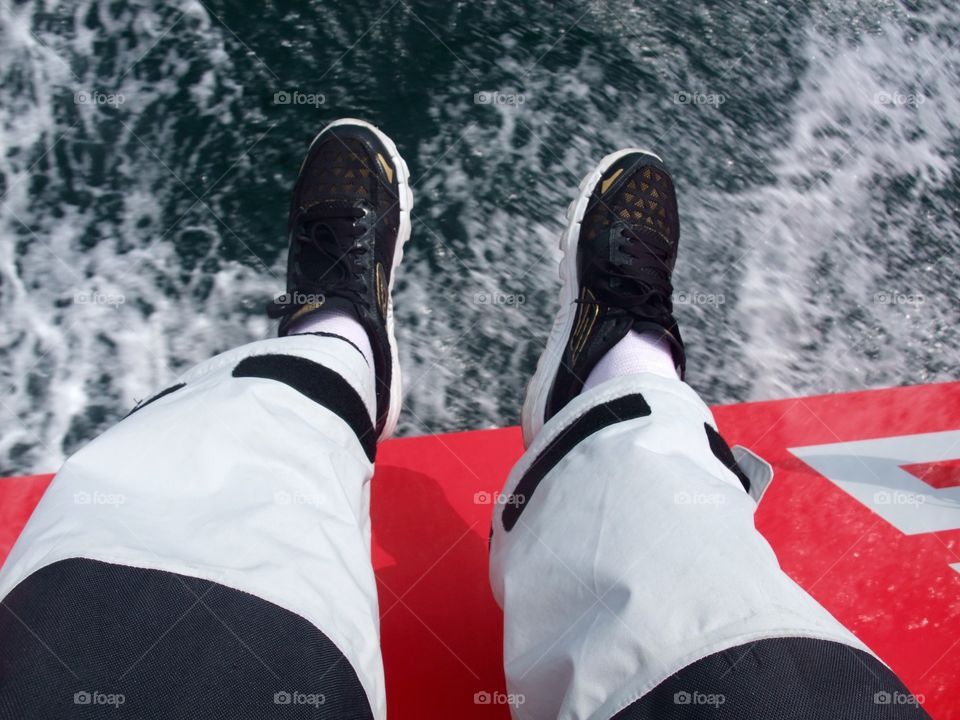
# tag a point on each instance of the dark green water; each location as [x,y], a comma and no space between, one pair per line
[145,166]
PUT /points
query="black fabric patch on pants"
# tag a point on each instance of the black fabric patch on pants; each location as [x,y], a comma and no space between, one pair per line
[320,384]
[595,419]
[320,333]
[162,393]
[86,639]
[720,450]
[780,678]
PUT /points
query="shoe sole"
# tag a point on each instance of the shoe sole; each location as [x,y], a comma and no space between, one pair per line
[405,194]
[538,389]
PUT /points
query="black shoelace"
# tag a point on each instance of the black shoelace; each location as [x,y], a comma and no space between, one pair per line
[637,273]
[328,262]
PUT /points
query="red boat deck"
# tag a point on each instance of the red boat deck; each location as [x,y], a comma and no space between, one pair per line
[864,512]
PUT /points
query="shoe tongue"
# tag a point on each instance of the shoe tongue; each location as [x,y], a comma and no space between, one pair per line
[653,248]
[331,222]
[629,272]
[328,208]
[639,233]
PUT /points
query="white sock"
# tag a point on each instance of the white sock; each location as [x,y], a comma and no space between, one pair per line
[637,352]
[337,322]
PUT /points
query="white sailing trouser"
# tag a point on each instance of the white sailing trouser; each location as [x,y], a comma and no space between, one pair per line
[248,475]
[628,554]
[635,556]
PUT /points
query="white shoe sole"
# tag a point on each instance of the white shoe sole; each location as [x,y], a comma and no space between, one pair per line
[538,390]
[403,234]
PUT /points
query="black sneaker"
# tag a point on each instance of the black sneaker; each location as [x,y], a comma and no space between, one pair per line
[619,250]
[349,219]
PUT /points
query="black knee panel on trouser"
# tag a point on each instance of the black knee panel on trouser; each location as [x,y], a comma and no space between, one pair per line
[81,638]
[783,678]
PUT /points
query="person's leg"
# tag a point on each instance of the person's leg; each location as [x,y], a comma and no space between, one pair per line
[209,556]
[633,582]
